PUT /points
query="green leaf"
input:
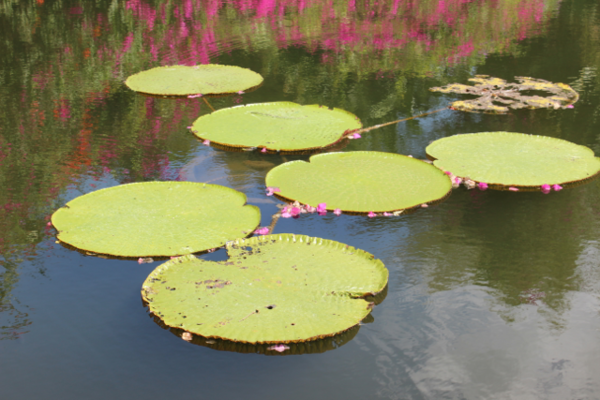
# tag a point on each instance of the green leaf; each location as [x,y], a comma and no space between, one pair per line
[496,96]
[278,126]
[272,289]
[155,219]
[206,79]
[503,159]
[360,181]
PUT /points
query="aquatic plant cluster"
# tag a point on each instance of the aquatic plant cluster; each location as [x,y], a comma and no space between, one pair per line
[353,182]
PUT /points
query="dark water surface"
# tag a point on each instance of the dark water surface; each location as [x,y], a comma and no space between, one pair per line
[491,294]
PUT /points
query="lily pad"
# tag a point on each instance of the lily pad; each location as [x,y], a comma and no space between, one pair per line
[206,79]
[360,182]
[155,219]
[496,96]
[277,126]
[272,289]
[509,159]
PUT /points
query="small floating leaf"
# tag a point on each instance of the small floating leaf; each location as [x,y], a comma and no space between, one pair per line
[496,96]
[361,181]
[155,219]
[272,289]
[278,126]
[193,81]
[513,161]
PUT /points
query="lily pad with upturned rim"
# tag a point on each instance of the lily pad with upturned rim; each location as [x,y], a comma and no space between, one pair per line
[277,126]
[272,289]
[510,159]
[155,219]
[360,181]
[205,79]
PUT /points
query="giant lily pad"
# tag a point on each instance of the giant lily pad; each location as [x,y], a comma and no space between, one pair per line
[181,80]
[361,181]
[496,96]
[278,126]
[508,159]
[272,289]
[155,219]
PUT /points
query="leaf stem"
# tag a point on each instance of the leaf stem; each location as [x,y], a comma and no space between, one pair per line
[207,103]
[363,130]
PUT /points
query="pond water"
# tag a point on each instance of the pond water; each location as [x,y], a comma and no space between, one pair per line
[491,294]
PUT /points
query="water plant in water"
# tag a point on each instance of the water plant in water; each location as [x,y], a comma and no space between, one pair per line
[155,219]
[194,81]
[277,126]
[496,96]
[359,182]
[514,161]
[272,289]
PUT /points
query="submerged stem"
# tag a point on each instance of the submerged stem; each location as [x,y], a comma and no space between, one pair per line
[363,130]
[207,103]
[274,220]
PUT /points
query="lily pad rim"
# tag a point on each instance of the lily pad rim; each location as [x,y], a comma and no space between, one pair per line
[406,210]
[155,257]
[180,96]
[255,240]
[343,136]
[522,188]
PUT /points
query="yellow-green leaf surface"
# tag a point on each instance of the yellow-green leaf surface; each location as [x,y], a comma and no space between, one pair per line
[206,79]
[514,159]
[278,126]
[360,181]
[272,289]
[155,219]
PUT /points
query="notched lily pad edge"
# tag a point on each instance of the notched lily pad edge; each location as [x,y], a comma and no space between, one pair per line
[157,257]
[371,299]
[338,144]
[525,188]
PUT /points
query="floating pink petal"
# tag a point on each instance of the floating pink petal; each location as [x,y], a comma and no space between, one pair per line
[448,173]
[262,231]
[189,127]
[355,136]
[295,211]
[49,224]
[337,211]
[322,207]
[206,142]
[241,92]
[310,209]
[264,150]
[193,96]
[570,106]
[372,214]
[271,190]
[482,186]
[546,189]
[286,213]
[387,214]
[424,205]
[513,189]
[140,260]
[279,347]
[556,187]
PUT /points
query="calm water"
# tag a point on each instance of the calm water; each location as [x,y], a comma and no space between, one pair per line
[491,295]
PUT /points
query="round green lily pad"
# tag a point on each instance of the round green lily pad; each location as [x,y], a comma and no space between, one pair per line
[278,126]
[509,159]
[155,219]
[360,181]
[206,79]
[272,289]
